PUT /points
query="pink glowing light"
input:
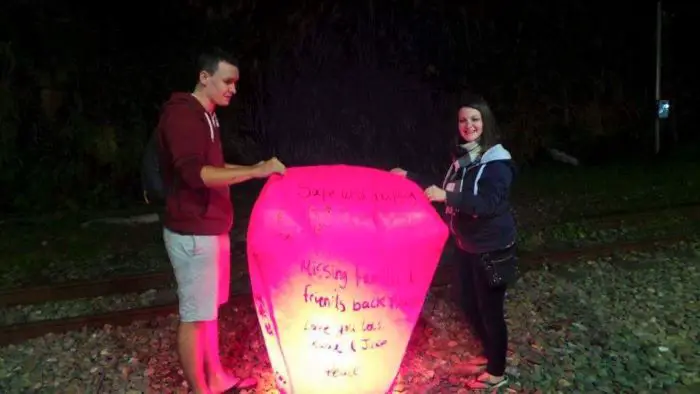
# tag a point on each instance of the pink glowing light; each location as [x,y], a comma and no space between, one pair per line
[340,259]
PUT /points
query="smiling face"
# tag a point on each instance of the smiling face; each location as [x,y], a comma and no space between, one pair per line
[220,86]
[471,124]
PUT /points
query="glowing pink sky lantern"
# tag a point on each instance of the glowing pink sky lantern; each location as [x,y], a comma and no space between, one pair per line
[340,259]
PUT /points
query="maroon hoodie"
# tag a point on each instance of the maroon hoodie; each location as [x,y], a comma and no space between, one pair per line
[189,139]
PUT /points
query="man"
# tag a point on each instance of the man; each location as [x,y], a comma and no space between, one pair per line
[199,216]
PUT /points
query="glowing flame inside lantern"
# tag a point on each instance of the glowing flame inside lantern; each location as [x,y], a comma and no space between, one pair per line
[340,259]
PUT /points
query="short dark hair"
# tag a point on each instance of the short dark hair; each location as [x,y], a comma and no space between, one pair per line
[209,60]
[491,134]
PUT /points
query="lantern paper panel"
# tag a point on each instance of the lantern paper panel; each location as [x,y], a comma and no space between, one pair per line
[340,259]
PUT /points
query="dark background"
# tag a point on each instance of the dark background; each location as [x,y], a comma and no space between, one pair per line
[355,82]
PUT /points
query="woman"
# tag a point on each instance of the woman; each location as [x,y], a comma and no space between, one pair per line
[476,196]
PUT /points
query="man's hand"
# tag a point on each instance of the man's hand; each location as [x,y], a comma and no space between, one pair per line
[435,194]
[269,167]
[399,171]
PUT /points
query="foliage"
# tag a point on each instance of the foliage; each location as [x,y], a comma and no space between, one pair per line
[364,83]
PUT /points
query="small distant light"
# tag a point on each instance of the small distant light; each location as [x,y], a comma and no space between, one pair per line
[664,108]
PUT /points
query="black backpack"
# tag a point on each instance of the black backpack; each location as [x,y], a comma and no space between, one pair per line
[151,180]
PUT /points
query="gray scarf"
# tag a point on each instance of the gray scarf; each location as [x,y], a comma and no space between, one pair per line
[473,149]
[468,153]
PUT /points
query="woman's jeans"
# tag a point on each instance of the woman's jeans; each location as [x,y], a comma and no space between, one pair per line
[483,306]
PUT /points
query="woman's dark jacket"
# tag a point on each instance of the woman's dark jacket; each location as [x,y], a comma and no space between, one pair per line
[477,207]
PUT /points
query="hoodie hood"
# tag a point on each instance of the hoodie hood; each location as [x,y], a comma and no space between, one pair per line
[467,157]
[186,101]
[496,152]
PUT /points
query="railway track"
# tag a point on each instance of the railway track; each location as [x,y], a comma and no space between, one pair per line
[241,291]
[627,218]
[85,289]
[567,216]
[160,280]
[535,260]
[630,212]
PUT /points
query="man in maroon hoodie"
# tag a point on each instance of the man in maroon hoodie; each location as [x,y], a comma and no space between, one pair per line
[199,216]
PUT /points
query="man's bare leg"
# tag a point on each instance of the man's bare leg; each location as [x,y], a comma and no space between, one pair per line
[190,348]
[216,375]
[218,379]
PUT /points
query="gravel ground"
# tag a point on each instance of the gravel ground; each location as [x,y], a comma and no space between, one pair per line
[581,235]
[80,307]
[598,326]
[146,260]
[148,256]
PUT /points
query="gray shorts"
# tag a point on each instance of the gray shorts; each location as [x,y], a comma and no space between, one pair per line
[202,265]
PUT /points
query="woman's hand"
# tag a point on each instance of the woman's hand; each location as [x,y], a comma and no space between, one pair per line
[435,194]
[399,171]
